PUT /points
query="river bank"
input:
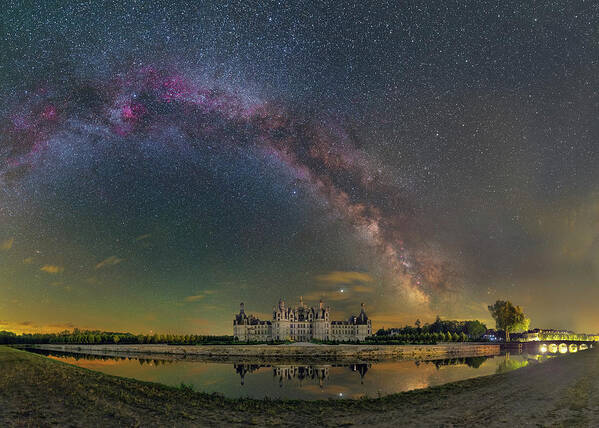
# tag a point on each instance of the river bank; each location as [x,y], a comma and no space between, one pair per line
[38,391]
[305,352]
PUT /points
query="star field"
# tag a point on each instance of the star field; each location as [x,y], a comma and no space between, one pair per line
[162,161]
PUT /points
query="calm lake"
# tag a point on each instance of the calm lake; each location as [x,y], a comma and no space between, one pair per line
[299,381]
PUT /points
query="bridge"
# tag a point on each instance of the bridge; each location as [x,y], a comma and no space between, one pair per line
[550,346]
[563,347]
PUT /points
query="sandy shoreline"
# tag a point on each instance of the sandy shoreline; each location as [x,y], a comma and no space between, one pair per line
[560,392]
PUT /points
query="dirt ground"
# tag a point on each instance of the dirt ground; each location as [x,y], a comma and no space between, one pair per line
[37,391]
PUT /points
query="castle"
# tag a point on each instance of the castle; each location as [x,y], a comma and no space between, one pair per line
[301,324]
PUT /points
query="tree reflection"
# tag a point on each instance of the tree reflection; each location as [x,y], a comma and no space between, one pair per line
[507,365]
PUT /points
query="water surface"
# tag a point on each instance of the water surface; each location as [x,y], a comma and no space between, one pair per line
[297,380]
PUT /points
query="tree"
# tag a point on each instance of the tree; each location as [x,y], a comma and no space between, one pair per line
[509,318]
[474,329]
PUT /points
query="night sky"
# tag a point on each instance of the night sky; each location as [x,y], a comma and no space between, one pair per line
[162,162]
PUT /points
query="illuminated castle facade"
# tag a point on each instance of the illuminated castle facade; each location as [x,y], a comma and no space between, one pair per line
[301,324]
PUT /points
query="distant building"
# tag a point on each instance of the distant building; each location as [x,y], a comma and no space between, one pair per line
[300,323]
[552,334]
[536,335]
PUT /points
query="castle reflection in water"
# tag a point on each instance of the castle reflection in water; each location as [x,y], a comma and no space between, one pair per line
[317,374]
[312,373]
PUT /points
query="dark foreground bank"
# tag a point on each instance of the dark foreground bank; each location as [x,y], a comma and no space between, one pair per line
[37,391]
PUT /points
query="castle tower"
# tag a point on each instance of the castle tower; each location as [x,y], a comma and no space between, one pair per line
[322,326]
[281,329]
[364,325]
[240,330]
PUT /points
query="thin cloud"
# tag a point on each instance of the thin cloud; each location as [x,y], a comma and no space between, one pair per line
[344,277]
[362,289]
[33,327]
[326,296]
[110,261]
[142,237]
[7,245]
[201,295]
[52,269]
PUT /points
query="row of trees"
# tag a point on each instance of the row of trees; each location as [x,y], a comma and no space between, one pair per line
[472,330]
[85,337]
[81,337]
[416,338]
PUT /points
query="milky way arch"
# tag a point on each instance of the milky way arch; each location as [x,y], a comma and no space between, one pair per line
[140,104]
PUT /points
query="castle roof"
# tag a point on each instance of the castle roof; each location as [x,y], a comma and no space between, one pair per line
[362,318]
[241,316]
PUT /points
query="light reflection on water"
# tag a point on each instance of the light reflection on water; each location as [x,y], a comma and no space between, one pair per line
[297,380]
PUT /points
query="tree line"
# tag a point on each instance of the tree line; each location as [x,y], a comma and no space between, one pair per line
[440,330]
[84,337]
[90,337]
[416,338]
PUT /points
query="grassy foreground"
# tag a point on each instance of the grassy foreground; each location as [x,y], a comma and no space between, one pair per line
[38,391]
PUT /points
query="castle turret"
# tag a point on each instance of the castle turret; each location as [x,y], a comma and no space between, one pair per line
[240,324]
[364,325]
[280,322]
[362,318]
[321,328]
